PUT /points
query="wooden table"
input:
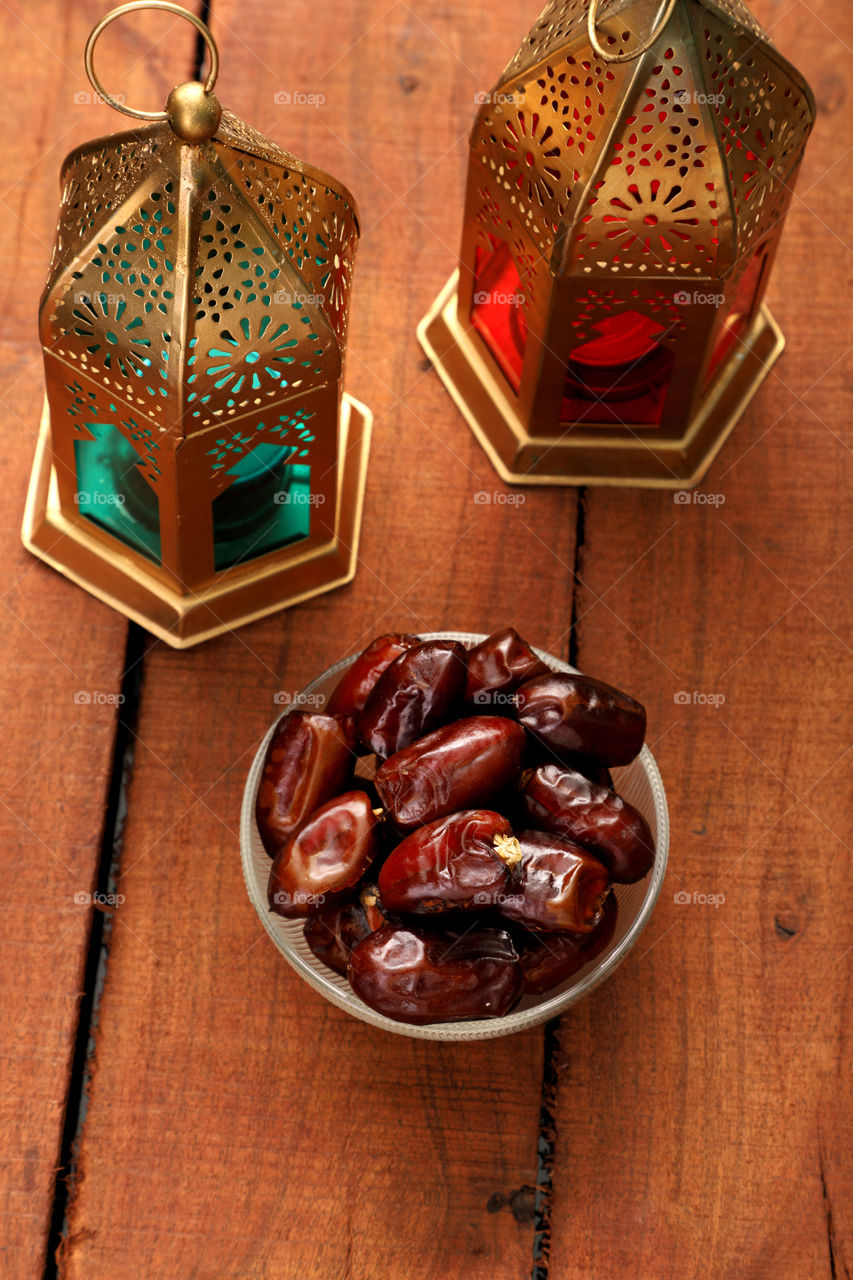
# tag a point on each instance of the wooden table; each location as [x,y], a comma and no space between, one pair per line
[176,1104]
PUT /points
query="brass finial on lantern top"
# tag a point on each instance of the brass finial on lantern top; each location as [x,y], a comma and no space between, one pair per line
[199,464]
[193,112]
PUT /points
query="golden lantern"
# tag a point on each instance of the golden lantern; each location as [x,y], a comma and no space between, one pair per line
[628,180]
[198,464]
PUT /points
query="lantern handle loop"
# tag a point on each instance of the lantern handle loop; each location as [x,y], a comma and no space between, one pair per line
[132,7]
[625,55]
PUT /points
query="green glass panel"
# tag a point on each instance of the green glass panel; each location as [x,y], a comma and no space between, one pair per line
[267,506]
[112,493]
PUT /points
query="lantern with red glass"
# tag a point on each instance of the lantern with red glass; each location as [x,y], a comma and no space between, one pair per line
[628,180]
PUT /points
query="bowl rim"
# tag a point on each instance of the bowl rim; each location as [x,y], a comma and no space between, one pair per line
[472,1029]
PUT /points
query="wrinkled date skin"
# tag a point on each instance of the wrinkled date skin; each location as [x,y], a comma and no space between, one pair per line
[465,765]
[335,931]
[548,959]
[419,691]
[575,715]
[596,773]
[565,802]
[309,760]
[419,976]
[458,862]
[355,685]
[562,886]
[327,856]
[496,667]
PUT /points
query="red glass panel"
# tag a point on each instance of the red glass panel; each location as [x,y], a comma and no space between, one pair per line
[741,311]
[498,310]
[621,377]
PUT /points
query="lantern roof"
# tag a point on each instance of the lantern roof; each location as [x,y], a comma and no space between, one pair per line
[199,282]
[676,162]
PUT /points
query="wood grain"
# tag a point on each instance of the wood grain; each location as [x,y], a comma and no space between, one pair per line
[703,1111]
[238,1126]
[60,648]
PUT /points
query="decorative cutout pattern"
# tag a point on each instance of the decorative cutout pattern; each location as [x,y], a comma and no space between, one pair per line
[236,133]
[654,208]
[193,334]
[115,311]
[763,118]
[536,146]
[291,430]
[87,409]
[737,12]
[267,317]
[97,180]
[319,241]
[597,304]
[558,23]
[258,340]
[656,203]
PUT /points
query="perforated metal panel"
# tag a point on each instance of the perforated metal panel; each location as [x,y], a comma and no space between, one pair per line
[199,293]
[622,213]
[668,167]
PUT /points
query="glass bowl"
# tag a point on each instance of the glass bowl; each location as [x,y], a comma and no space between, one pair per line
[639,783]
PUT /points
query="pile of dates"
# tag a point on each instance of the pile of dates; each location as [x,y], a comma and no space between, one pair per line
[448,827]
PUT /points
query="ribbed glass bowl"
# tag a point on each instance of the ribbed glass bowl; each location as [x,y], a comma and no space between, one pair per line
[639,783]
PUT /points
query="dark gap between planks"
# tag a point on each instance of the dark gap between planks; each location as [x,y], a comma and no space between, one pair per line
[98,947]
[110,853]
[200,45]
[550,1072]
[107,875]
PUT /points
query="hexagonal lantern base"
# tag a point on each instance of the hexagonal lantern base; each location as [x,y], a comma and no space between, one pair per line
[636,459]
[121,579]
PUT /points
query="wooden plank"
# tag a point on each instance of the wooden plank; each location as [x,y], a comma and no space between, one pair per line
[60,648]
[221,1081]
[703,1114]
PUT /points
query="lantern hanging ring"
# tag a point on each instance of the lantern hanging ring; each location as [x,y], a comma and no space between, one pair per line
[625,55]
[132,7]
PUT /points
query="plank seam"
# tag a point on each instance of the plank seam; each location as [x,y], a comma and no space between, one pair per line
[97,952]
[108,866]
[200,46]
[830,1226]
[551,1047]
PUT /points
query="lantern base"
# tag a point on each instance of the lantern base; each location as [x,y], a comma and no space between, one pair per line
[243,594]
[581,456]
